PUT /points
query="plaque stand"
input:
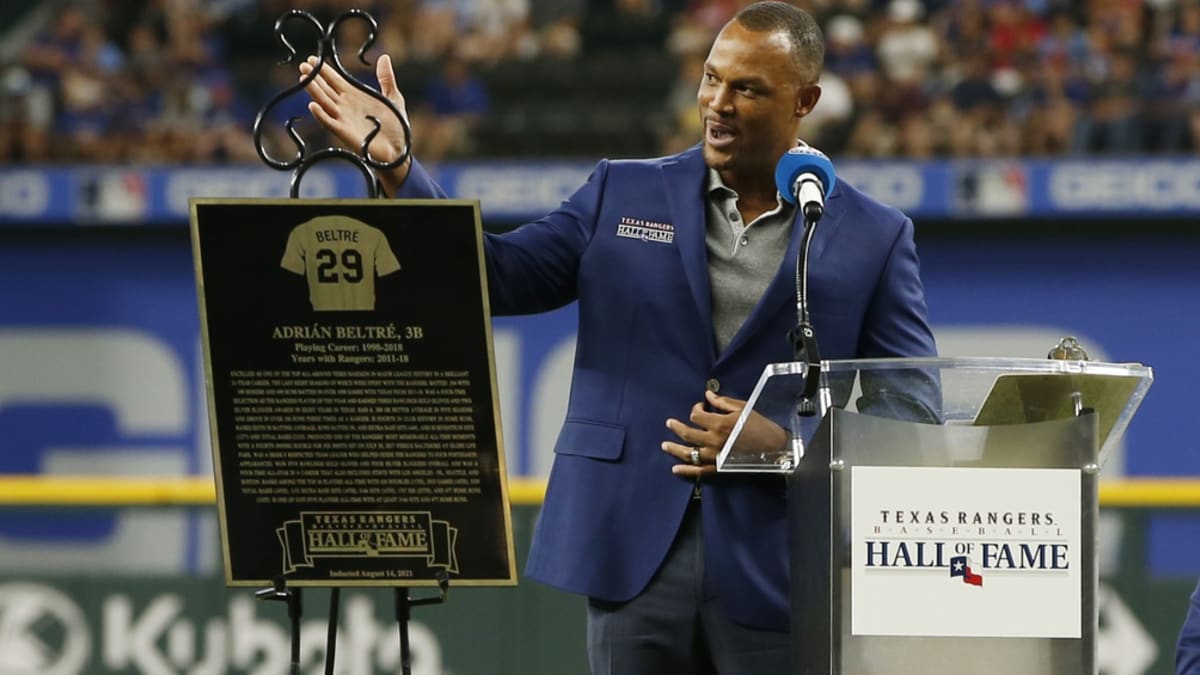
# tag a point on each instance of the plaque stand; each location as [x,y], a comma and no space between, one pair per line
[301,162]
[292,596]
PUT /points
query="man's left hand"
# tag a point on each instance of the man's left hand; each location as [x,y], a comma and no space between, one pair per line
[707,430]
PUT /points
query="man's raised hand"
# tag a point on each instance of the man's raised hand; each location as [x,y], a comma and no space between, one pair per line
[345,112]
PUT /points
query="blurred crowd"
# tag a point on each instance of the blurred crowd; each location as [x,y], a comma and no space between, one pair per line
[182,80]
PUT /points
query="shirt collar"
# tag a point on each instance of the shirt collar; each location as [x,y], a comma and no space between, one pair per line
[718,190]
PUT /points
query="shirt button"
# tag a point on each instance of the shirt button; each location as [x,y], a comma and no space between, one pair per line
[734,216]
[745,240]
[713,385]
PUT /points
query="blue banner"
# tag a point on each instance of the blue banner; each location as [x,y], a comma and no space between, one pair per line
[513,192]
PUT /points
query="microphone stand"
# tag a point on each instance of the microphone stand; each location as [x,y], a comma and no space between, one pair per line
[802,336]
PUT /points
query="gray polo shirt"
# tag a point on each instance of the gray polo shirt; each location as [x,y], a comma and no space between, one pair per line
[743,258]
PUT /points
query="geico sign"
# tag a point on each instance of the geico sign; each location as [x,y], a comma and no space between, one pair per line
[1125,186]
[899,185]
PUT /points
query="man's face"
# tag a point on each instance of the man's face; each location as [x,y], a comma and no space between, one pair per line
[752,96]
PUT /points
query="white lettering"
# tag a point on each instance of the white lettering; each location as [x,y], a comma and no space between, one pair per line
[131,642]
[26,611]
[184,184]
[161,640]
[24,193]
[254,642]
[897,184]
[1156,186]
[519,191]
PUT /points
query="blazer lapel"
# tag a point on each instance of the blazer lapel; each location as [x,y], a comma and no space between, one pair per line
[684,178]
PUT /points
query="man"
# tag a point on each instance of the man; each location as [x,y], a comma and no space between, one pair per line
[685,571]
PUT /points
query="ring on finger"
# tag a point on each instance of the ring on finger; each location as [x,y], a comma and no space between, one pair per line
[696,456]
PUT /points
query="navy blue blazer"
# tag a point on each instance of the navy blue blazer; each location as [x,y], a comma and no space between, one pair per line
[1187,650]
[646,349]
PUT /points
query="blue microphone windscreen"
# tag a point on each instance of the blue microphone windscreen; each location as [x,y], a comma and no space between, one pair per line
[803,159]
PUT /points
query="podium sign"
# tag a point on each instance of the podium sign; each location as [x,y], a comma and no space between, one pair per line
[943,512]
[975,549]
[351,390]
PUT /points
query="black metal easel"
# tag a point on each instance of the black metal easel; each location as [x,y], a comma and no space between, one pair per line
[327,52]
[303,160]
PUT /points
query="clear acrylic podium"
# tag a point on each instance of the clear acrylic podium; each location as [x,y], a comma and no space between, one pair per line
[943,512]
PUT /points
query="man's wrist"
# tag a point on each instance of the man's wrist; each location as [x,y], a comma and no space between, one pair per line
[391,181]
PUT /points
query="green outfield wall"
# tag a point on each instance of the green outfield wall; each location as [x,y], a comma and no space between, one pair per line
[68,624]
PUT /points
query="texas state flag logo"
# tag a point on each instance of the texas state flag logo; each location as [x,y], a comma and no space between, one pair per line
[960,568]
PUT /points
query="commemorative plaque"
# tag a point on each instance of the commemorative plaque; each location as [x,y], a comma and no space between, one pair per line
[351,390]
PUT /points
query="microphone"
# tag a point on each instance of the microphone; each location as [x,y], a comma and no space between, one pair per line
[805,176]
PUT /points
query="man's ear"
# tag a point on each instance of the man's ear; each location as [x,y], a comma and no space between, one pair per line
[807,100]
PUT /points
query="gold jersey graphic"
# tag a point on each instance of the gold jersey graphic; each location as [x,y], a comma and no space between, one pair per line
[341,257]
